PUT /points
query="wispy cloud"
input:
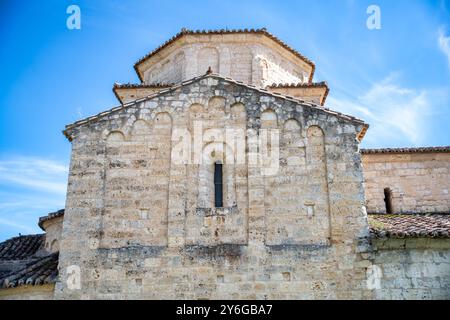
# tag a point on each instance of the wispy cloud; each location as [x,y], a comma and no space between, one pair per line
[444,44]
[22,227]
[35,173]
[395,113]
[30,187]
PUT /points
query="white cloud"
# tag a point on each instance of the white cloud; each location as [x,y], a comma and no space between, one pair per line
[34,173]
[395,114]
[444,44]
[30,187]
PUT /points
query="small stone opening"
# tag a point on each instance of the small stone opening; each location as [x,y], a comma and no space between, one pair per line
[388,200]
[286,276]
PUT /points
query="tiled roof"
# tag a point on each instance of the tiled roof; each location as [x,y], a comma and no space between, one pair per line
[322,84]
[407,150]
[37,271]
[299,85]
[219,77]
[410,226]
[21,247]
[50,216]
[262,31]
[23,261]
[143,85]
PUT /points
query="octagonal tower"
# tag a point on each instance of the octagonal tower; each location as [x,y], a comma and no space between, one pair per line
[253,57]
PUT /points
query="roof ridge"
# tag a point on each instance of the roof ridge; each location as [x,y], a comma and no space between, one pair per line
[143,85]
[440,149]
[298,84]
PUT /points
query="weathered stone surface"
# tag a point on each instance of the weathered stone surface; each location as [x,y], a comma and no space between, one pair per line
[290,233]
[413,268]
[420,182]
[253,58]
[210,188]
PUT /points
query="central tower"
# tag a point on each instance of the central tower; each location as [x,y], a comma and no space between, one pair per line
[254,57]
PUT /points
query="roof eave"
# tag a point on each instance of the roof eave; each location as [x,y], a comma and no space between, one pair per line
[116,94]
[443,149]
[49,217]
[322,84]
[362,133]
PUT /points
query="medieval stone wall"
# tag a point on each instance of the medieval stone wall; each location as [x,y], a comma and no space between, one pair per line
[414,269]
[241,57]
[138,225]
[53,230]
[419,182]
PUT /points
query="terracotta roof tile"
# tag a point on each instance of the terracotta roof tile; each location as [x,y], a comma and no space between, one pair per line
[410,226]
[37,271]
[143,85]
[262,31]
[407,150]
[24,261]
[299,85]
[21,247]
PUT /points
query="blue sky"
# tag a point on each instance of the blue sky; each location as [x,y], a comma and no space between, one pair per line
[396,78]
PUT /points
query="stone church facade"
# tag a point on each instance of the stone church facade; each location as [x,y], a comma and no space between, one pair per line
[222,175]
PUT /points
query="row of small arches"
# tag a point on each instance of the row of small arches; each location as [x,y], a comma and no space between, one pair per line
[162,120]
[269,119]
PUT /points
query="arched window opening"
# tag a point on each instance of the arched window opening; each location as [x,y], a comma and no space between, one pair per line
[388,200]
[218,185]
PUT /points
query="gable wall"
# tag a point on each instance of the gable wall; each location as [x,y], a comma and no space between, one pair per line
[140,226]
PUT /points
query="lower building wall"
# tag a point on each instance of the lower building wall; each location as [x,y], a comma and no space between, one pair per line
[418,182]
[402,269]
[409,269]
[44,292]
[228,272]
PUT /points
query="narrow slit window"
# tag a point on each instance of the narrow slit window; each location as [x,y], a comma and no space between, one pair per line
[218,185]
[388,200]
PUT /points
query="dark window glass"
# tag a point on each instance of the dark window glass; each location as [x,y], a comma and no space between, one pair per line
[218,185]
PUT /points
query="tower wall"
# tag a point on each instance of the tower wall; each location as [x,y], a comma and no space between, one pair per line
[244,57]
